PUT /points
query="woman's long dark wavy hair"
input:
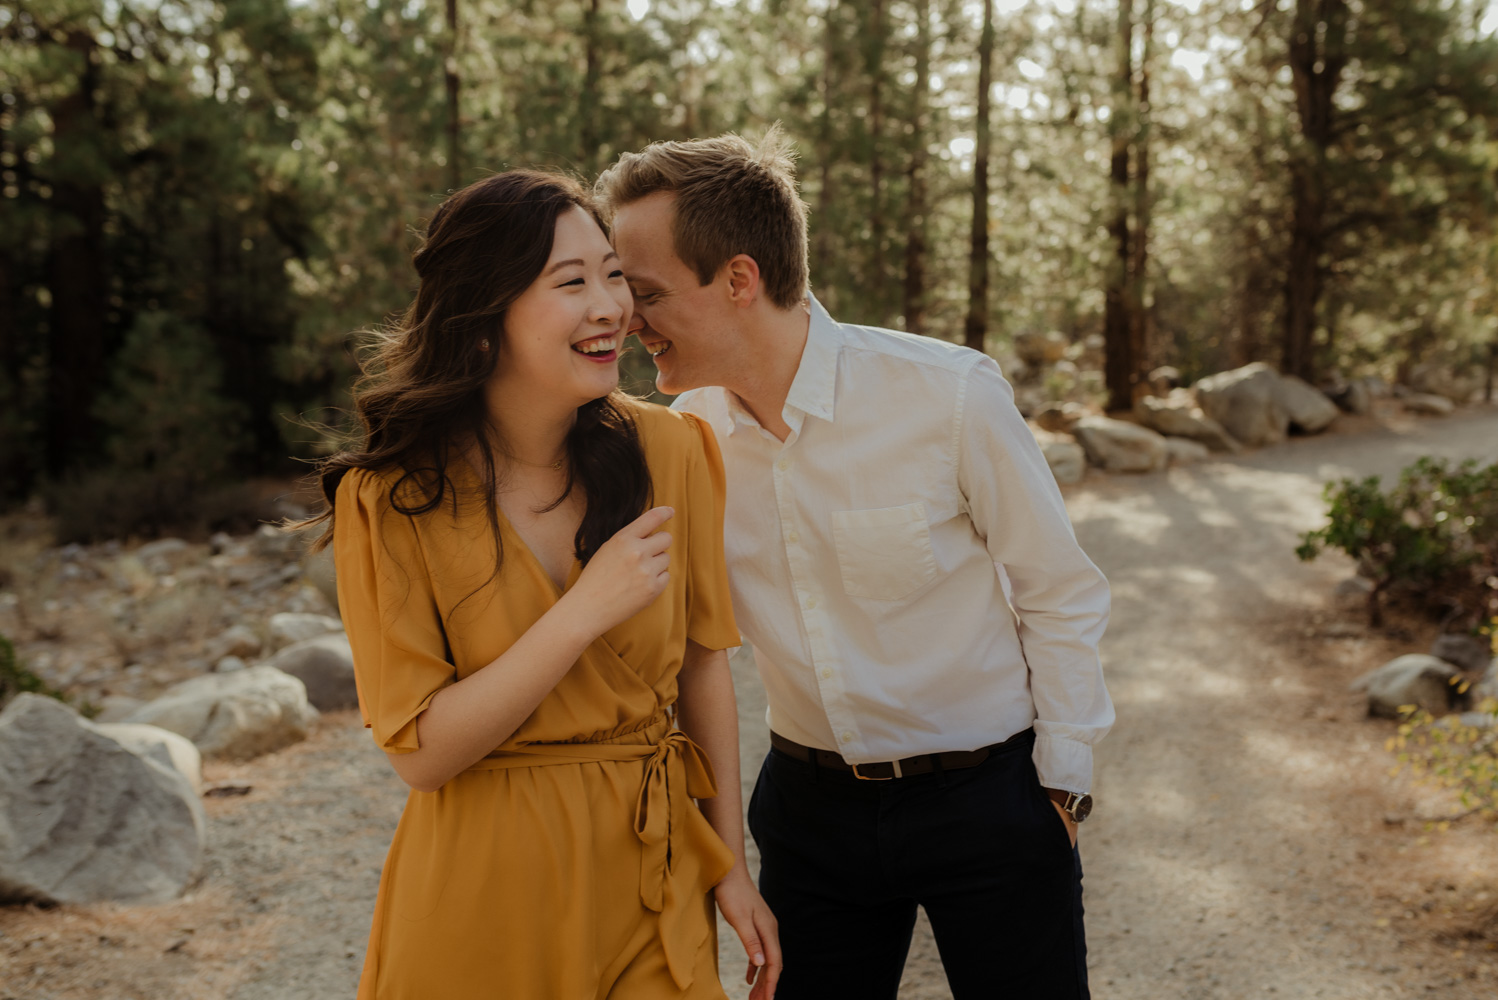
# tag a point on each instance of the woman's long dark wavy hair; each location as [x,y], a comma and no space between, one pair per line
[421,397]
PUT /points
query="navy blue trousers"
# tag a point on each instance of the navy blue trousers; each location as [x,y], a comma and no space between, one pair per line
[844,863]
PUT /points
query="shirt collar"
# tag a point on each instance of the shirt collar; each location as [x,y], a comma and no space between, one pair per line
[814,389]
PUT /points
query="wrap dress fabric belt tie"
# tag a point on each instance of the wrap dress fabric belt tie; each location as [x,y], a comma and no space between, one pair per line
[668,825]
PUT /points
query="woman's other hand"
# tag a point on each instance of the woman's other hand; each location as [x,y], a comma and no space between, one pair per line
[628,572]
[745,910]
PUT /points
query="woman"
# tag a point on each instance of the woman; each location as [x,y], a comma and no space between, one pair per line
[524,630]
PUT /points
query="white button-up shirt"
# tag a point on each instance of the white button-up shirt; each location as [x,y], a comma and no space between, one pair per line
[903,563]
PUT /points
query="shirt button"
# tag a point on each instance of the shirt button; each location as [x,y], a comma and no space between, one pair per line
[847,737]
[811,602]
[826,673]
[783,464]
[793,537]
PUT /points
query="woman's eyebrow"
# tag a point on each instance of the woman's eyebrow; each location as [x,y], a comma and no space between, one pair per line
[578,261]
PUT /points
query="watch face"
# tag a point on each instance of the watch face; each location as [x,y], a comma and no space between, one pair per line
[1081,808]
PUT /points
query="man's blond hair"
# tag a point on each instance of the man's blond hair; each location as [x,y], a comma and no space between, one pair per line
[732,197]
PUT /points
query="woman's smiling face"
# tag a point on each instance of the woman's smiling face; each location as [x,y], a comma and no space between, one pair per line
[564,334]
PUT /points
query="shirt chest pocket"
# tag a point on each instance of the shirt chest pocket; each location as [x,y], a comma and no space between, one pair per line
[884,554]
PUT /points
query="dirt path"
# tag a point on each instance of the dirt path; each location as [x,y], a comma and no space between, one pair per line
[1249,839]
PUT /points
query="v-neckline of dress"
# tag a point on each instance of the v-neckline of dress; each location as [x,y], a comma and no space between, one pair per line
[574,570]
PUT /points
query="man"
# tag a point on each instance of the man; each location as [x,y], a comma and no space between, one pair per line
[923,619]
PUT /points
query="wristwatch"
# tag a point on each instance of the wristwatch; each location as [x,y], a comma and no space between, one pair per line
[1077,805]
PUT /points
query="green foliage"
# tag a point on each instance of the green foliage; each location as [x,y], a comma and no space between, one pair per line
[1437,526]
[1454,754]
[16,679]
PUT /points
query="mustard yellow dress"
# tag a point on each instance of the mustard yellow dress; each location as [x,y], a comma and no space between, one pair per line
[571,862]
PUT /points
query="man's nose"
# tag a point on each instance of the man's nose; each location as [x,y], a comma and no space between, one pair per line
[636,323]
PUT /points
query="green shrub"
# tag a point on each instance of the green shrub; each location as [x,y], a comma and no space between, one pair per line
[16,679]
[1453,754]
[1438,527]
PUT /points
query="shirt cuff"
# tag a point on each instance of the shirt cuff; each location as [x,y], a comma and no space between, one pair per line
[1063,764]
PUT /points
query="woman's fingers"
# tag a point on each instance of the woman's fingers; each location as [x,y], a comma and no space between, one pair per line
[650,522]
[768,933]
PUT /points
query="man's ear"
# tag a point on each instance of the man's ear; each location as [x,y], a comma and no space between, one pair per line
[743,280]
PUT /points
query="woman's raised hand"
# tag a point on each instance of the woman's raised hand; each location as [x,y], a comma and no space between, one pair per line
[626,573]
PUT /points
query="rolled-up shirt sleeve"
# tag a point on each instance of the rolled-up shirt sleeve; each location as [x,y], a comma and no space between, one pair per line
[1059,597]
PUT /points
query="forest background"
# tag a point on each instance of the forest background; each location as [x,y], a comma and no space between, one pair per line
[205,205]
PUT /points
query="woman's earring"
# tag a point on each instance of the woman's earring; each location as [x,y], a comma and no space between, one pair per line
[484,344]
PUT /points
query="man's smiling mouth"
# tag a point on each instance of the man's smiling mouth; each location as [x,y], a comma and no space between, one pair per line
[656,350]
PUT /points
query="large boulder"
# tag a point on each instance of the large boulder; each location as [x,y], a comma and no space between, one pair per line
[1428,404]
[1247,402]
[1119,446]
[1444,381]
[161,745]
[290,626]
[84,820]
[1415,679]
[1177,415]
[234,715]
[1184,451]
[1309,409]
[1354,397]
[1067,460]
[324,664]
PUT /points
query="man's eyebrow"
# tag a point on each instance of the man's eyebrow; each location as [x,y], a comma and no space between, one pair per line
[575,261]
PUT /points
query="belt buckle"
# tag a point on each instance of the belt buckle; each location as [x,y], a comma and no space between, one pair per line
[894,765]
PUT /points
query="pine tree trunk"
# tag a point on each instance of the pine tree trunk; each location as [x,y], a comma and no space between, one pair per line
[975,329]
[1140,314]
[588,137]
[915,208]
[1317,58]
[76,275]
[1119,363]
[454,161]
[822,246]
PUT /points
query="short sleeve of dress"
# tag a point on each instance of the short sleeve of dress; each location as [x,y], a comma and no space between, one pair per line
[385,597]
[709,605]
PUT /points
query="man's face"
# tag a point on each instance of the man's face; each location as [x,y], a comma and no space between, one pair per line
[682,323]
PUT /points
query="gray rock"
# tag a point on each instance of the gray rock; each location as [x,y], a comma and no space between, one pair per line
[271,542]
[1353,397]
[1164,379]
[1428,404]
[84,820]
[1247,403]
[161,745]
[1119,446]
[164,555]
[236,715]
[1307,406]
[237,640]
[1177,415]
[325,665]
[1464,651]
[1413,679]
[229,664]
[317,569]
[1487,687]
[1442,380]
[1183,451]
[116,708]
[289,627]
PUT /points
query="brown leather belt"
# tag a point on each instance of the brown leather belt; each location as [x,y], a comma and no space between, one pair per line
[906,767]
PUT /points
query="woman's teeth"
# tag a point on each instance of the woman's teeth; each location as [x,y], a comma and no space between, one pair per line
[595,346]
